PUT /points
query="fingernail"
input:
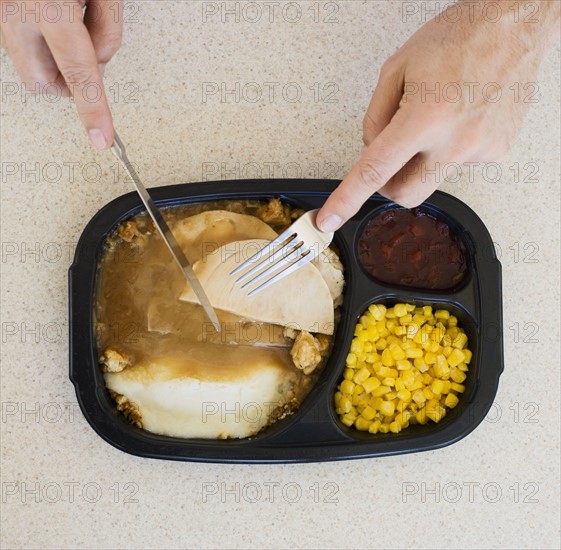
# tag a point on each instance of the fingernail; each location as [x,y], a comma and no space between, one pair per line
[97,138]
[330,224]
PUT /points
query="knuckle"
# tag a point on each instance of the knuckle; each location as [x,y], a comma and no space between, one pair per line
[389,65]
[78,75]
[372,175]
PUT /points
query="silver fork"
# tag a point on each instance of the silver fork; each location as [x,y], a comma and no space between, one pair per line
[301,243]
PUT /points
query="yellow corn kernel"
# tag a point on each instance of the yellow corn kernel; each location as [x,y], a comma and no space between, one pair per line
[467,356]
[406,319]
[393,373]
[370,384]
[390,396]
[382,390]
[463,367]
[360,400]
[457,375]
[437,386]
[389,382]
[404,417]
[410,307]
[387,408]
[345,404]
[378,311]
[374,427]
[427,311]
[460,388]
[362,424]
[420,364]
[387,358]
[447,351]
[361,336]
[384,428]
[400,310]
[460,341]
[403,364]
[430,358]
[351,360]
[451,400]
[381,344]
[348,420]
[347,387]
[404,395]
[395,427]
[402,406]
[357,346]
[399,384]
[433,347]
[337,398]
[372,333]
[434,410]
[361,375]
[442,314]
[422,337]
[421,416]
[369,413]
[437,414]
[437,335]
[446,341]
[442,370]
[455,358]
[382,372]
[427,379]
[413,353]
[397,352]
[452,321]
[418,396]
[358,389]
[348,374]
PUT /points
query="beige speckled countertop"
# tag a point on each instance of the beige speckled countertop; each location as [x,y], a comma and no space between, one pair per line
[64,487]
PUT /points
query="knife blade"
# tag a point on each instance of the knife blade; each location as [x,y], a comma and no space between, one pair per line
[118,149]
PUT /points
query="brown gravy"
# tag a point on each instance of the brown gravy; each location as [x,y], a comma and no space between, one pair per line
[137,311]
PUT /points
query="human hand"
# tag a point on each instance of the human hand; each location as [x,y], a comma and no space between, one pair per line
[410,134]
[57,45]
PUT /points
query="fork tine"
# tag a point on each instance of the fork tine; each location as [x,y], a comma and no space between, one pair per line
[270,259]
[307,257]
[265,250]
[285,253]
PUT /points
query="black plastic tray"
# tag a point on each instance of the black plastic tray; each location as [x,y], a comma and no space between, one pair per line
[313,432]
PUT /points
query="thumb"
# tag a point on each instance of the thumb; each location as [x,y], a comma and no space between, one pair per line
[385,156]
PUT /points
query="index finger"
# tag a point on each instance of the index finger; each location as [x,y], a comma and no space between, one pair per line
[72,48]
[383,158]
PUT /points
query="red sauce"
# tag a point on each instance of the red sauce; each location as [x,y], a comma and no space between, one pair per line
[412,248]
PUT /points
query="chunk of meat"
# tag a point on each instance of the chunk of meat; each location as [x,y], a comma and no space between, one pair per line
[130,410]
[274,213]
[113,361]
[305,352]
[129,231]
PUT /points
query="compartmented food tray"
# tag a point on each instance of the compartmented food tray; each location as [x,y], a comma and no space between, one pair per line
[314,431]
